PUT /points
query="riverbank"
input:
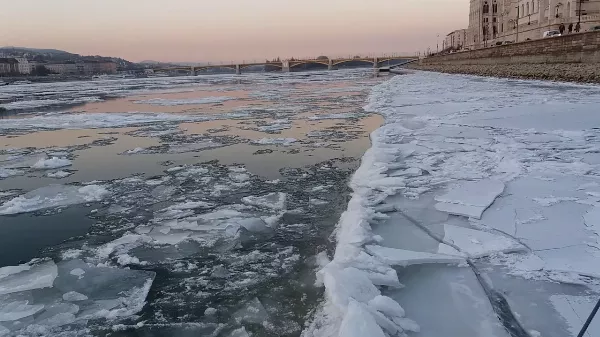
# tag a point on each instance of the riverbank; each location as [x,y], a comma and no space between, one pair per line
[567,72]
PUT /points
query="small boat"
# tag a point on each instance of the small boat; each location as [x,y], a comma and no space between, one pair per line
[21,82]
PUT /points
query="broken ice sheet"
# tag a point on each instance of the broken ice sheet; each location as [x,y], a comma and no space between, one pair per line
[471,198]
[46,296]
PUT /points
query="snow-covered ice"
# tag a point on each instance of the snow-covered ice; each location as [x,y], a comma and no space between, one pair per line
[471,169]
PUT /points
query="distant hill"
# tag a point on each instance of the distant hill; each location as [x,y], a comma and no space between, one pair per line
[54,55]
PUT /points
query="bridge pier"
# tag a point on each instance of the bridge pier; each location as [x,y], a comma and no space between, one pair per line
[375,63]
[238,69]
[285,66]
[193,71]
[330,65]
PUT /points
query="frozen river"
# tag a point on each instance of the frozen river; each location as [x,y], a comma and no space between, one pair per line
[191,206]
[258,205]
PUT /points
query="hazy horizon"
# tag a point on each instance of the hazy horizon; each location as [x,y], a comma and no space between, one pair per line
[210,31]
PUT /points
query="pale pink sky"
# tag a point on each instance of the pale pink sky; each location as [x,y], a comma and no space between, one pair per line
[229,30]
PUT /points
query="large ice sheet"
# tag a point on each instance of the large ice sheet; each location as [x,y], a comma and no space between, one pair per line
[476,138]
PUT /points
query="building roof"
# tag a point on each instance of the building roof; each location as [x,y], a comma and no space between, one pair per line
[9,60]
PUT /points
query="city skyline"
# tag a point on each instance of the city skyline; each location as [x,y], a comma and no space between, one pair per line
[193,31]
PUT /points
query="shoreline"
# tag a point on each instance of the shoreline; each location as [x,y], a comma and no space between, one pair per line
[563,72]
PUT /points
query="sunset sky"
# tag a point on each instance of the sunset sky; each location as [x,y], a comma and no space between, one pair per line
[229,30]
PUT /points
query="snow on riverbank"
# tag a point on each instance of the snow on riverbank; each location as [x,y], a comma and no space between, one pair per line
[502,173]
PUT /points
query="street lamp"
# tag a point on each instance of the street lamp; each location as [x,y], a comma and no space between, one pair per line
[517,24]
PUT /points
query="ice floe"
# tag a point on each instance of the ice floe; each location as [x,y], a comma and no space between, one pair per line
[274,201]
[191,101]
[51,163]
[9,172]
[58,174]
[53,196]
[275,141]
[26,277]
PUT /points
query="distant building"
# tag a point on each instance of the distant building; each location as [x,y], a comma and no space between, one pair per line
[456,40]
[83,68]
[498,21]
[26,66]
[9,66]
[67,68]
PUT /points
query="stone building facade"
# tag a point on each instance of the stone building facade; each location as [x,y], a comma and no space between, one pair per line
[9,66]
[456,40]
[82,68]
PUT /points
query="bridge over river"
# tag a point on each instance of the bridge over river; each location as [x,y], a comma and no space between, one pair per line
[289,65]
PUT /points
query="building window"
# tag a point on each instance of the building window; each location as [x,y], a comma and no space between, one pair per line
[486,8]
[533,6]
[528,8]
[495,7]
[522,10]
